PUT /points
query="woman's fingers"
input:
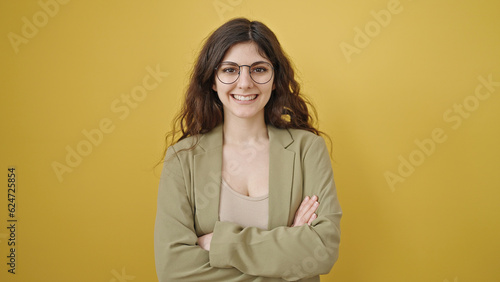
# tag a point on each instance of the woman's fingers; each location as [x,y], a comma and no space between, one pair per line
[313,217]
[302,209]
[313,206]
[305,213]
[306,205]
[205,240]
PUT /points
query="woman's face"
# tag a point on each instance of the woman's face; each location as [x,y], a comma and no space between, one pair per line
[244,98]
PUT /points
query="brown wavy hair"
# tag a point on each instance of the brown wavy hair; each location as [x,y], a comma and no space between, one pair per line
[202,109]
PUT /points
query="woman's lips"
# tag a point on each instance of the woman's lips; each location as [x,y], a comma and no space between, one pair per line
[244,97]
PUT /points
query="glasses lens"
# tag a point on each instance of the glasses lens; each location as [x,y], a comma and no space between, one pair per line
[228,72]
[261,72]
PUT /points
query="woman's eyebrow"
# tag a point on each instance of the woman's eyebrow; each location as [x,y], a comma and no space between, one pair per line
[231,62]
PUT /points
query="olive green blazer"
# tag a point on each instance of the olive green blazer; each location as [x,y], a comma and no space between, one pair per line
[188,207]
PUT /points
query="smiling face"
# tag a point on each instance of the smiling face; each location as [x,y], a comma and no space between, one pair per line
[244,98]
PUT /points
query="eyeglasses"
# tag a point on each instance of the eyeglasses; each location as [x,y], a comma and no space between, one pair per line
[229,72]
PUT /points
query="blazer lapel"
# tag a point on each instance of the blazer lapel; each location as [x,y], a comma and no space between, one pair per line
[207,179]
[281,168]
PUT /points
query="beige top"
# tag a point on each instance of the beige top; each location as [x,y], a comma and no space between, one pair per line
[243,210]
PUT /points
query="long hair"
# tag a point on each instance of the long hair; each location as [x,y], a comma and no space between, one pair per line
[202,109]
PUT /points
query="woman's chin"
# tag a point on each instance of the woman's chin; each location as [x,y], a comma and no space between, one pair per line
[247,115]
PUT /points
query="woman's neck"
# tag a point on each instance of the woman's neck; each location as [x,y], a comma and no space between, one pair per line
[241,131]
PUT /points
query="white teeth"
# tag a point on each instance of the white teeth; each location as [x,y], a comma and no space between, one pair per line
[244,98]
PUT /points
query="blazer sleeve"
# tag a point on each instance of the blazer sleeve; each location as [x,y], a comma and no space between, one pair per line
[291,253]
[177,255]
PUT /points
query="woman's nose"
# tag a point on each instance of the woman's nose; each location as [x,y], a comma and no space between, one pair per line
[245,80]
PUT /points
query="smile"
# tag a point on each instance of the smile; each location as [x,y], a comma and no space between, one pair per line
[244,97]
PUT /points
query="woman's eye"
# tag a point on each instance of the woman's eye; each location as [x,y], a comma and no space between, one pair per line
[259,69]
[229,70]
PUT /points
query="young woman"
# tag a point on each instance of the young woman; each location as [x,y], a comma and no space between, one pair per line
[247,192]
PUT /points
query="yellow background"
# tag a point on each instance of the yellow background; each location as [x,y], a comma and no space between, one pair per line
[442,223]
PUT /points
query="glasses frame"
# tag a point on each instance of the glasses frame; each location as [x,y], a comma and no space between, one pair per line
[249,71]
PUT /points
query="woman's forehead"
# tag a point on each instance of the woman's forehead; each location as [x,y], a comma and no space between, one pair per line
[245,53]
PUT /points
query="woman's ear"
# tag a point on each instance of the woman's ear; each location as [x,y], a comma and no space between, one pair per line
[214,87]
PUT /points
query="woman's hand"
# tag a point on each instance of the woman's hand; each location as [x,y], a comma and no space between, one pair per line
[305,213]
[204,241]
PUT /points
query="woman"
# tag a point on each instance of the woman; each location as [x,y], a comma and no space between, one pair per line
[247,192]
